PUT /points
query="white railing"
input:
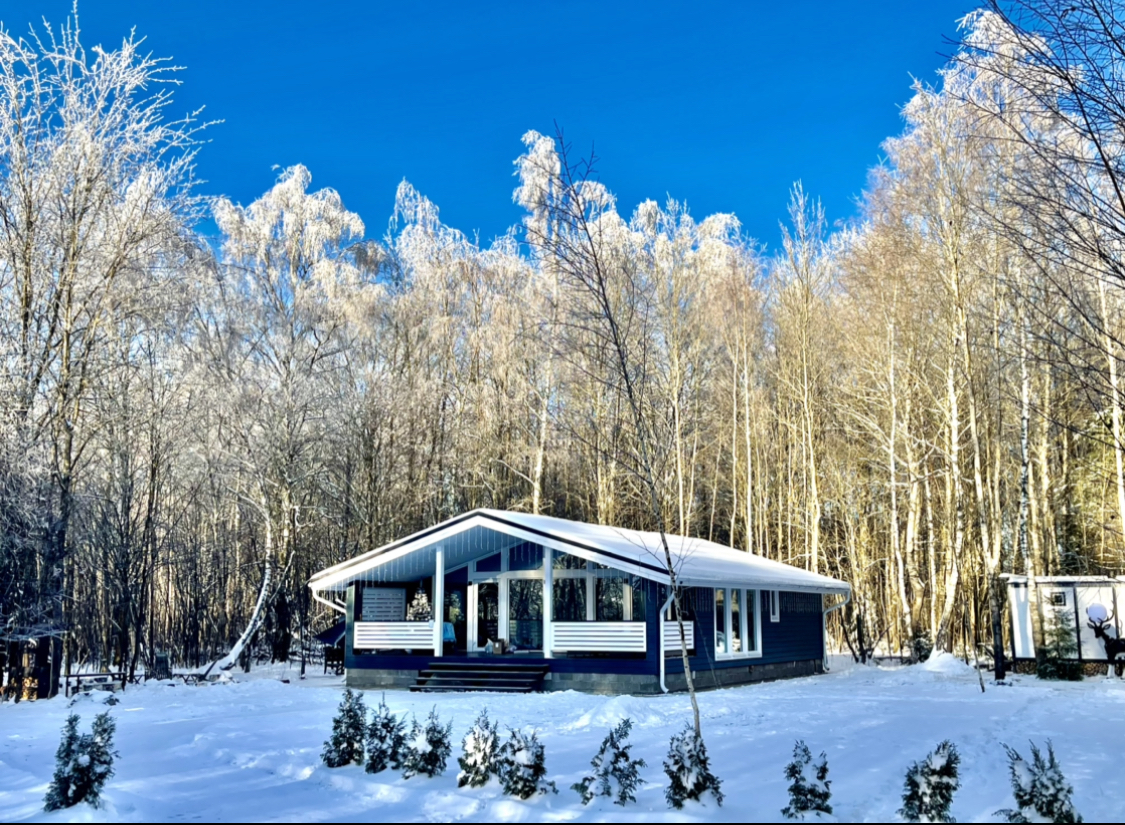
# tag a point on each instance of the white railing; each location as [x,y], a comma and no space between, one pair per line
[393,635]
[672,635]
[598,637]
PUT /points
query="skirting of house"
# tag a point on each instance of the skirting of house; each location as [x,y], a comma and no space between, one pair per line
[377,678]
[706,679]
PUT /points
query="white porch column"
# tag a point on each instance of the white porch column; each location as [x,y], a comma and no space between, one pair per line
[548,600]
[439,599]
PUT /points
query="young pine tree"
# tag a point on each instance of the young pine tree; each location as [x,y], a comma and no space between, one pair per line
[809,785]
[930,785]
[522,766]
[83,763]
[348,731]
[615,774]
[689,770]
[481,750]
[427,747]
[385,740]
[1041,791]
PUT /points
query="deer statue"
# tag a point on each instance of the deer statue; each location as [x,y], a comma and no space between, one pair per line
[1102,624]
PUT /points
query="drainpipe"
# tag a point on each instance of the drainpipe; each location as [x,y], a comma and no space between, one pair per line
[824,625]
[660,618]
[338,608]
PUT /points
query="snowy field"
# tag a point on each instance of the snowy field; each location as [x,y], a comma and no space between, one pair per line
[251,750]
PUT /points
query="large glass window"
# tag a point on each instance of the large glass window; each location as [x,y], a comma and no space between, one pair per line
[736,622]
[565,561]
[611,600]
[721,622]
[570,600]
[525,557]
[525,614]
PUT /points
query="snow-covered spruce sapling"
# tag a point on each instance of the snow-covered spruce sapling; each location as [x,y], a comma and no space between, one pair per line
[83,763]
[930,785]
[427,747]
[689,771]
[385,739]
[615,774]
[349,728]
[480,753]
[809,785]
[523,770]
[1041,791]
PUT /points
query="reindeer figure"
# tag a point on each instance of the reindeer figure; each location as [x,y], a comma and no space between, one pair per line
[1114,647]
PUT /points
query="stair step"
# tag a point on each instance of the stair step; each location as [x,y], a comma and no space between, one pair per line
[482,674]
[485,676]
[481,689]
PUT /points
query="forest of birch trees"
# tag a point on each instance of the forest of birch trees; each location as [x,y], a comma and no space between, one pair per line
[202,403]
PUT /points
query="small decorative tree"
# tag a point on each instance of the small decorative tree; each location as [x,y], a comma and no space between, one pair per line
[83,763]
[689,770]
[345,747]
[930,785]
[1041,791]
[809,785]
[1060,647]
[385,739]
[419,609]
[615,774]
[427,747]
[481,752]
[522,766]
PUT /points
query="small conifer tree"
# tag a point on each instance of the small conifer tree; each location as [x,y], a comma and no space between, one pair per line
[689,771]
[419,609]
[1041,791]
[809,785]
[523,770]
[427,747]
[345,747]
[385,739]
[83,763]
[481,750]
[930,785]
[1060,647]
[615,774]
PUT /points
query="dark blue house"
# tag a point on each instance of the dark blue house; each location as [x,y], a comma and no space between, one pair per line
[538,603]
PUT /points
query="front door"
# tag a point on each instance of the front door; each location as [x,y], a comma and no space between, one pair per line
[487,613]
[525,614]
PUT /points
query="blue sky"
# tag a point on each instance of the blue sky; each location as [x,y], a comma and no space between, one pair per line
[720,104]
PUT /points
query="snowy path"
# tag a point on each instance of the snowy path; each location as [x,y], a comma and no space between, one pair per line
[250,751]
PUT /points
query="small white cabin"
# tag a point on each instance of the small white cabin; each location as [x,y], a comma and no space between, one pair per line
[1078,598]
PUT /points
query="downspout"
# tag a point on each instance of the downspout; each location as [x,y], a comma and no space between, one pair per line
[664,610]
[337,607]
[824,625]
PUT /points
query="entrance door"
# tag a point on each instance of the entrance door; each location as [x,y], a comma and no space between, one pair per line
[525,614]
[488,613]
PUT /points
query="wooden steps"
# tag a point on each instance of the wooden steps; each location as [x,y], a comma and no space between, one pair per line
[483,675]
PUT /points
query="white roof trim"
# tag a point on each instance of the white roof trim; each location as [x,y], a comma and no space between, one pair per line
[698,563]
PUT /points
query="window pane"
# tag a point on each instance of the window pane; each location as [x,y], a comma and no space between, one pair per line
[565,561]
[720,620]
[640,613]
[751,623]
[525,557]
[611,600]
[489,564]
[570,600]
[525,614]
[735,622]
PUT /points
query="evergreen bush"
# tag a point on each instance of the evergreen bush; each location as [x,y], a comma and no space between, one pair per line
[689,771]
[345,747]
[615,774]
[481,752]
[1041,791]
[1060,648]
[921,646]
[83,763]
[809,785]
[427,747]
[930,785]
[385,740]
[522,766]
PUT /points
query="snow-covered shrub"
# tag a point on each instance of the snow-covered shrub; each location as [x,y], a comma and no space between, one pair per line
[83,763]
[614,774]
[689,770]
[809,785]
[1041,791]
[419,609]
[921,646]
[385,739]
[348,731]
[930,785]
[427,747]
[522,768]
[481,751]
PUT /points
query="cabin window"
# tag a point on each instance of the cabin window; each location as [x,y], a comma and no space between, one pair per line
[736,622]
[775,606]
[525,557]
[1058,599]
[489,564]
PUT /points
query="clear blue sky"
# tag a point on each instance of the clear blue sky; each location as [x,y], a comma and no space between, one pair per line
[721,104]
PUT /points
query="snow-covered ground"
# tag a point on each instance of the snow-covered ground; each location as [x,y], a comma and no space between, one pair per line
[251,750]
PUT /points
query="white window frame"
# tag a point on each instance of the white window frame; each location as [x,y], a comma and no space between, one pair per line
[775,605]
[748,598]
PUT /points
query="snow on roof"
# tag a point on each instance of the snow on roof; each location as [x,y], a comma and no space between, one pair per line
[697,562]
